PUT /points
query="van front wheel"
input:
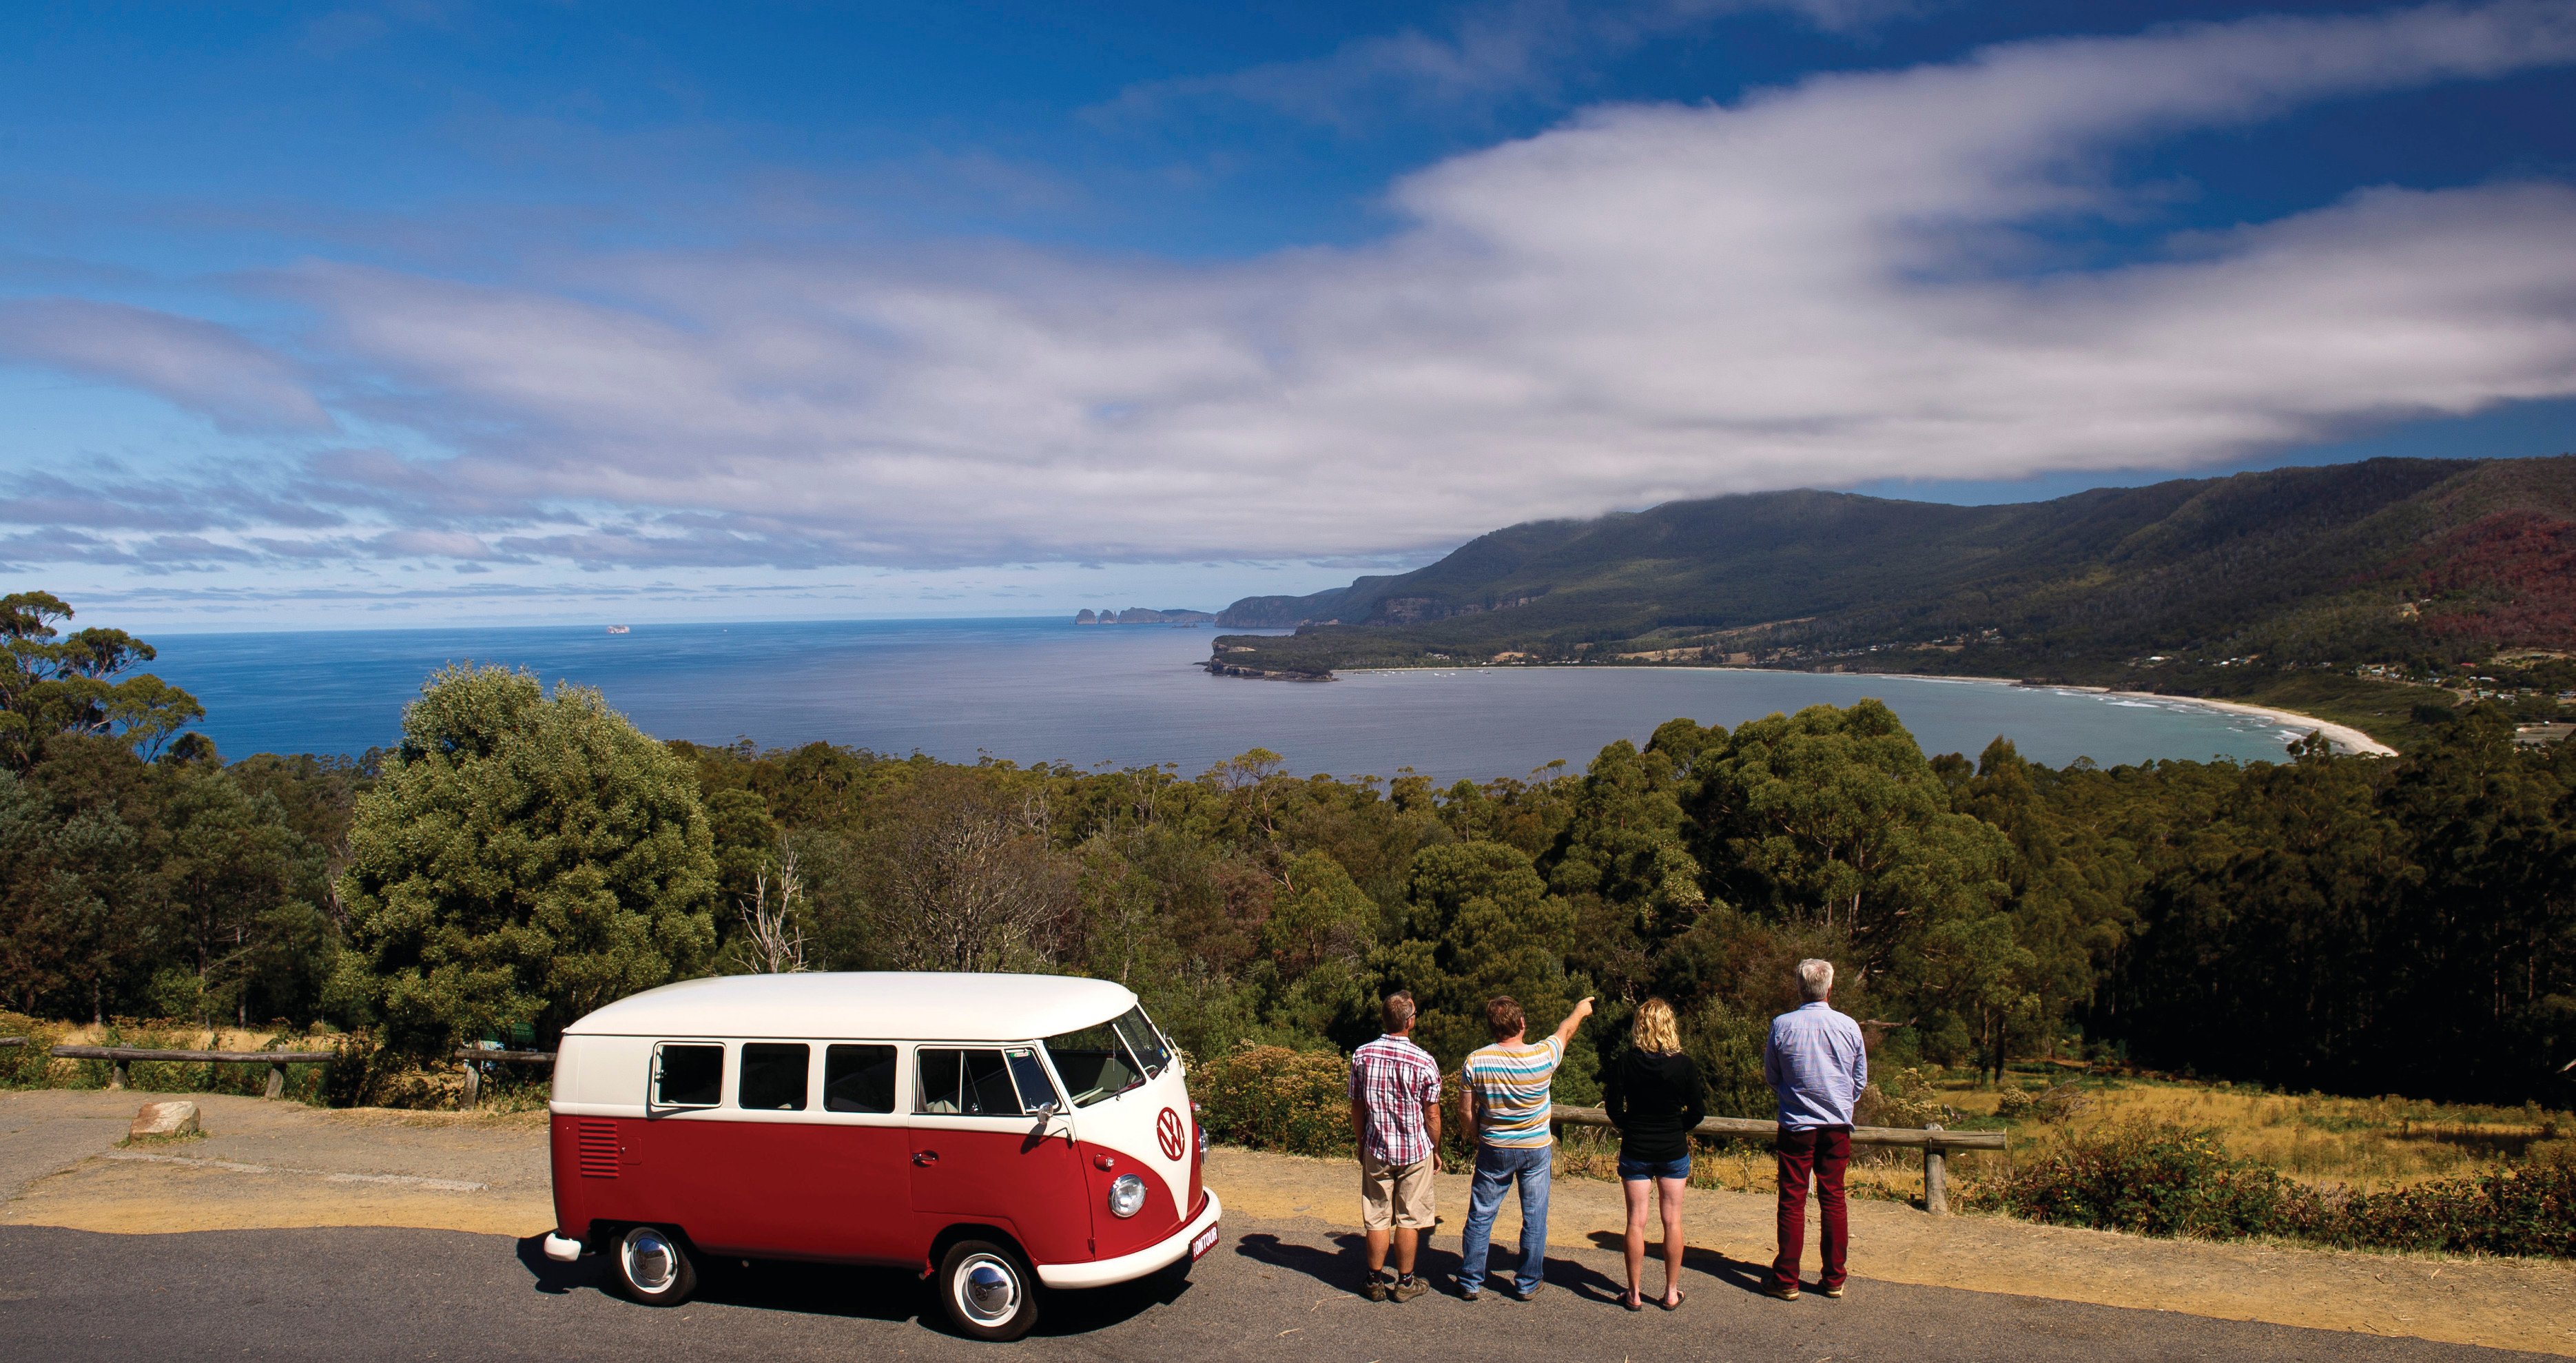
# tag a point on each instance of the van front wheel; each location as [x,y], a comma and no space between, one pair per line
[651,1267]
[988,1290]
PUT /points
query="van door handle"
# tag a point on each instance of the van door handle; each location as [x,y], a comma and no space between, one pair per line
[925,1157]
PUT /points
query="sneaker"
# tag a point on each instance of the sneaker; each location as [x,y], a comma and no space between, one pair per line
[1833,1293]
[1376,1289]
[1518,1293]
[1782,1293]
[1408,1288]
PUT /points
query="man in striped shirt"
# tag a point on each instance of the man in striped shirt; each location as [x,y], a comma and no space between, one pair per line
[1395,1112]
[1505,1095]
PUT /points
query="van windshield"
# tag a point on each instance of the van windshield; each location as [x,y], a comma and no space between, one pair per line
[1109,1058]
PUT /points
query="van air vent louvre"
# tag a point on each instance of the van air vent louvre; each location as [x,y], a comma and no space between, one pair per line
[595,1148]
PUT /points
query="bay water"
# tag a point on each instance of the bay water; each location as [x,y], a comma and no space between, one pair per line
[1047,690]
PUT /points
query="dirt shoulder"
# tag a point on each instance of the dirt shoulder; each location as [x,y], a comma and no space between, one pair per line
[269,1165]
[2500,1303]
[265,1165]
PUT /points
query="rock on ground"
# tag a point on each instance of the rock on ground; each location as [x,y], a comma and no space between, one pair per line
[172,1118]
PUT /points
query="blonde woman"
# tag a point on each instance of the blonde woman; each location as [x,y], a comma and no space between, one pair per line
[1654,1096]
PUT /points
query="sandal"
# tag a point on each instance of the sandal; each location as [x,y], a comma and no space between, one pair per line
[1676,1303]
[1633,1302]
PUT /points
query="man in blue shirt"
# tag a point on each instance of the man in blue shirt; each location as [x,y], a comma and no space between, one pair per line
[1817,1062]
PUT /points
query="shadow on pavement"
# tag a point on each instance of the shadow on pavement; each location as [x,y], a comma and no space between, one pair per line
[854,1292]
[555,1279]
[1345,1266]
[1739,1273]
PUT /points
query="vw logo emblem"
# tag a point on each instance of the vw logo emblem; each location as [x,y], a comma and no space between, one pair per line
[1167,1131]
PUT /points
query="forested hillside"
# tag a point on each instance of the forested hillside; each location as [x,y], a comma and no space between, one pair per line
[514,858]
[2201,586]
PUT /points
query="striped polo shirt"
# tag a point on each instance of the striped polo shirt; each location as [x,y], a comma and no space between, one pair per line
[1513,1082]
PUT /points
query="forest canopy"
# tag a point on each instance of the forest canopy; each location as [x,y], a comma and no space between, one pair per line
[2346,924]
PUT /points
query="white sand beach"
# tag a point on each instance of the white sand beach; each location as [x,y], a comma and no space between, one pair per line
[2344,737]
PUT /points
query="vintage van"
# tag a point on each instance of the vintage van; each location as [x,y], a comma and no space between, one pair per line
[998,1132]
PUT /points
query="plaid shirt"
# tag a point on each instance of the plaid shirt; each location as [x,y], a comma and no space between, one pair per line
[1392,1079]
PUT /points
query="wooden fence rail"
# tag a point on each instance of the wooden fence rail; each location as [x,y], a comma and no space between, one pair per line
[122,1056]
[13,1041]
[474,1073]
[1935,1143]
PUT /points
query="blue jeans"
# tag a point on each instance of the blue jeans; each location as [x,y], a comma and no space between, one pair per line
[1498,1168]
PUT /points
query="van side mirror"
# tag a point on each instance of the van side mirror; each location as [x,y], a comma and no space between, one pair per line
[1055,1121]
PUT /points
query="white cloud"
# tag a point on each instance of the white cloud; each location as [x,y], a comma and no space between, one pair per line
[1487,55]
[205,368]
[1648,302]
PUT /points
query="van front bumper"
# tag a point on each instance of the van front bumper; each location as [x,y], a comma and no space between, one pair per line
[1160,1255]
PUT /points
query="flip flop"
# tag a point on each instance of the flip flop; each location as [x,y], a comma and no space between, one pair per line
[1676,1303]
[1632,1302]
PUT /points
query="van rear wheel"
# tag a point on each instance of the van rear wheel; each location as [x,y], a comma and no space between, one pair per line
[651,1267]
[988,1290]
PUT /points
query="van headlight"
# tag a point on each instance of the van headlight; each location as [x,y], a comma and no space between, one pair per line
[1126,1195]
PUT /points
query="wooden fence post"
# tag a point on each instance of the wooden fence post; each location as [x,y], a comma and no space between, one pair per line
[1936,1176]
[116,1078]
[473,1085]
[276,1081]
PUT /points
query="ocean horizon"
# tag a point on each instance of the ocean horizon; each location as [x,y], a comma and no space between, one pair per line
[1045,690]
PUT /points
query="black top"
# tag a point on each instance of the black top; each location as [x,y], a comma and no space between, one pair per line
[1654,1100]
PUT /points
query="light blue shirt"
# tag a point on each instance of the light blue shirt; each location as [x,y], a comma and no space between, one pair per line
[1817,1063]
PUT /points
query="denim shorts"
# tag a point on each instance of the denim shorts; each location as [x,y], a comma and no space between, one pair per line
[1641,1170]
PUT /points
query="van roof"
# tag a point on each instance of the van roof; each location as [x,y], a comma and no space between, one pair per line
[886,1005]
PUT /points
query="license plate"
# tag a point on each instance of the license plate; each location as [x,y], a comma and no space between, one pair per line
[1200,1246]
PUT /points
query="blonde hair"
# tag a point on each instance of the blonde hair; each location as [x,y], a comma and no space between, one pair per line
[1654,1031]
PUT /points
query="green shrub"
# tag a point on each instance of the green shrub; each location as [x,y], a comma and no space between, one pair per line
[2149,1178]
[2169,1180]
[1274,1098]
[24,1066]
[2527,1209]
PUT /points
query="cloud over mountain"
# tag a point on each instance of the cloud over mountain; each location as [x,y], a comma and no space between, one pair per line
[1854,276]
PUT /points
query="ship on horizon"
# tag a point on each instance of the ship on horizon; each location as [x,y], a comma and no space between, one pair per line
[617,629]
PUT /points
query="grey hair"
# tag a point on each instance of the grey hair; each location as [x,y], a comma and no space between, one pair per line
[1816,979]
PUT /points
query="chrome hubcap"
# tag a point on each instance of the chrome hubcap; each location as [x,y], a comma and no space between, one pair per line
[987,1290]
[651,1262]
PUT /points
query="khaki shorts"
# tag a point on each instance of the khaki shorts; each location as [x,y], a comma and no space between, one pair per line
[1395,1194]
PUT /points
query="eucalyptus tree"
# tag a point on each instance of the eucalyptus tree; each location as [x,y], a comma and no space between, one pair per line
[524,858]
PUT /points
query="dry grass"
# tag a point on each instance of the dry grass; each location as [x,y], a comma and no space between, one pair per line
[2367,1144]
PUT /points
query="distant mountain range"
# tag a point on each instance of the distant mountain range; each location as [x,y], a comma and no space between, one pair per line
[2388,560]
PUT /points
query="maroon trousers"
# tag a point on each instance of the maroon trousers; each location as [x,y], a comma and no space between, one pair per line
[1824,1152]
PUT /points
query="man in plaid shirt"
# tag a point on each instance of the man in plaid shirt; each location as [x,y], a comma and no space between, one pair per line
[1395,1111]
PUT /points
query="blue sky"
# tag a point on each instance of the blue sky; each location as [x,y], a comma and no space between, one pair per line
[430,313]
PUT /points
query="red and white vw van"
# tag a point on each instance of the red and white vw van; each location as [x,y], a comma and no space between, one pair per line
[996,1131]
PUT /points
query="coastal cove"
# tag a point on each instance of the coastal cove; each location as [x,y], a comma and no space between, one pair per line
[1046,690]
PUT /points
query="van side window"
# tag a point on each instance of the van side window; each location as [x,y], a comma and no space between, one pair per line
[687,1076]
[965,1083]
[1037,1092]
[773,1077]
[858,1079]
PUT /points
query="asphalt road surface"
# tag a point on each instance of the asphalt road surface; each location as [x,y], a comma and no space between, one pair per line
[1269,1292]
